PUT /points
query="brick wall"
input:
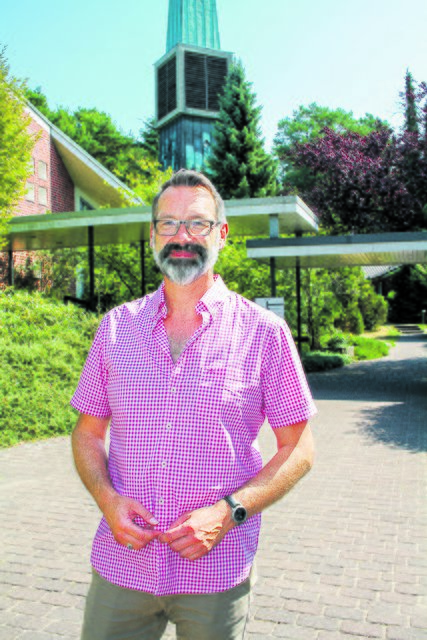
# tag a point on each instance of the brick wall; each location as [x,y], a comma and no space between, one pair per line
[62,187]
[41,152]
[57,182]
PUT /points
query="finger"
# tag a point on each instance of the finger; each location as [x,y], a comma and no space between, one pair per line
[140,510]
[138,532]
[174,534]
[182,518]
[140,542]
[183,543]
[193,552]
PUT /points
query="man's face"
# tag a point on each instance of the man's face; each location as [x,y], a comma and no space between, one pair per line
[183,258]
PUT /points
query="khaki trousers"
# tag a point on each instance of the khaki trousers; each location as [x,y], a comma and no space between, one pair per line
[115,613]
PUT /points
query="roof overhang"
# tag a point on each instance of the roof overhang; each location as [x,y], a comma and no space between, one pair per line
[342,251]
[252,216]
[89,175]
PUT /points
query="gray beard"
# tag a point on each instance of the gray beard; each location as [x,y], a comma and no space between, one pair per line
[184,271]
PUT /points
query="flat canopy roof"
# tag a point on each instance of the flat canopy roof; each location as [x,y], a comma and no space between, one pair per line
[122,226]
[340,251]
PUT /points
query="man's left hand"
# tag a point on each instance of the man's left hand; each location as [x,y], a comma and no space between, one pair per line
[195,533]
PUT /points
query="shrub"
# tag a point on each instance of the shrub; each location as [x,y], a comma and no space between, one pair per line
[323,361]
[369,348]
[43,346]
[337,343]
[373,306]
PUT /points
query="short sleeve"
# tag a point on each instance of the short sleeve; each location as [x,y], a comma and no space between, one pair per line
[287,397]
[90,396]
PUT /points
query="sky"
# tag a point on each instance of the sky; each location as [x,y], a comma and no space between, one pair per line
[338,53]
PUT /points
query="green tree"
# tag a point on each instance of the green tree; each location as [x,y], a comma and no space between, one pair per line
[238,164]
[410,104]
[149,135]
[16,144]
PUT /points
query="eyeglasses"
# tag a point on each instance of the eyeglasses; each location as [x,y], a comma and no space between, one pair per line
[170,226]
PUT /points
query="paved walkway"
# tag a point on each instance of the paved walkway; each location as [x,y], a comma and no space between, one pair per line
[342,556]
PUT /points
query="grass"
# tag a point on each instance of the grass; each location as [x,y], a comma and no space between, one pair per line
[369,348]
[43,346]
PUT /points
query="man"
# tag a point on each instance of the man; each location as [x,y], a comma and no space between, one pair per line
[187,376]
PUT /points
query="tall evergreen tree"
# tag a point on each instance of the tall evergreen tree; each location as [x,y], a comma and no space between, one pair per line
[238,164]
[411,116]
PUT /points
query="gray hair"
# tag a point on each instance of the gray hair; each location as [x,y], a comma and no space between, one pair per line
[190,178]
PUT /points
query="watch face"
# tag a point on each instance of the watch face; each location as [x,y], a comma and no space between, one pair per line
[240,514]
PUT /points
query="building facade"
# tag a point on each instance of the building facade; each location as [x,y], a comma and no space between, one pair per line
[64,178]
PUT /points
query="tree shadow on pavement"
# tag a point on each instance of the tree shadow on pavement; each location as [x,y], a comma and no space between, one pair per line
[402,425]
[397,389]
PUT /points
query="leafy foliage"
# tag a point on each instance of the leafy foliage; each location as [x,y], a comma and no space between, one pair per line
[305,125]
[130,159]
[366,182]
[43,346]
[16,144]
[238,164]
[323,361]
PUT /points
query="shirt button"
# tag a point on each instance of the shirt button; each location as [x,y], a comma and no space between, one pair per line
[173,390]
[164,464]
[168,426]
[161,501]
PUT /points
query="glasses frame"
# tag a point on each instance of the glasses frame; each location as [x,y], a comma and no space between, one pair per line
[186,224]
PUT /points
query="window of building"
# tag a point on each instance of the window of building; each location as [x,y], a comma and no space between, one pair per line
[43,196]
[85,205]
[42,169]
[30,193]
[31,166]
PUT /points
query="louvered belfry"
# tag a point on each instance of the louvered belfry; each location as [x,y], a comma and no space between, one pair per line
[189,79]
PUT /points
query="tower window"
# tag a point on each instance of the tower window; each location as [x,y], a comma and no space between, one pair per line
[204,80]
[166,88]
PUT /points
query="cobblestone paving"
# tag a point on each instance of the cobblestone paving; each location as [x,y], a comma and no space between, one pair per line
[342,556]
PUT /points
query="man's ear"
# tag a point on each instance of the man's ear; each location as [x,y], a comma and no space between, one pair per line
[151,235]
[223,235]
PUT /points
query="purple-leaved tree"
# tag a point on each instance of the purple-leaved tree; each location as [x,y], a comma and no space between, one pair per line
[370,183]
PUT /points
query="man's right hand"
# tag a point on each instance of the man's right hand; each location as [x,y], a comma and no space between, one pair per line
[120,513]
[90,457]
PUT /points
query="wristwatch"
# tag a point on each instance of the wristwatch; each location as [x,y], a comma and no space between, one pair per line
[238,511]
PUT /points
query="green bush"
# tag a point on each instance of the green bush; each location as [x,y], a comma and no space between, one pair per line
[374,307]
[337,343]
[43,346]
[323,361]
[369,348]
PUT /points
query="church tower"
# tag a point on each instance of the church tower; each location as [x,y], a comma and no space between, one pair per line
[189,78]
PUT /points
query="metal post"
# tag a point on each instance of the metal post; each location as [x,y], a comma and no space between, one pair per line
[91,251]
[142,256]
[10,268]
[298,286]
[273,276]
[273,221]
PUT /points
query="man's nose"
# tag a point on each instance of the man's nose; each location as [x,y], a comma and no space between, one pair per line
[182,232]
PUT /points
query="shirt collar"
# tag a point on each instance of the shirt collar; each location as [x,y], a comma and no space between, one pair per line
[211,300]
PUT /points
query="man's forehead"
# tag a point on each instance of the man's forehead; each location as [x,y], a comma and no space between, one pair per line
[187,197]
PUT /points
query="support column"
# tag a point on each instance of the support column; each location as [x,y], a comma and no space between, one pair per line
[142,256]
[274,233]
[91,255]
[10,268]
[273,276]
[298,287]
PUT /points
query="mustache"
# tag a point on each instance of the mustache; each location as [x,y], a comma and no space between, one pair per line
[198,250]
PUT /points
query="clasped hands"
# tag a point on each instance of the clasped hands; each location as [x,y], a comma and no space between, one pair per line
[192,535]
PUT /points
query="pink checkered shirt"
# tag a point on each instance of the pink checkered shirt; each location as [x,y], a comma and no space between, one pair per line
[183,435]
